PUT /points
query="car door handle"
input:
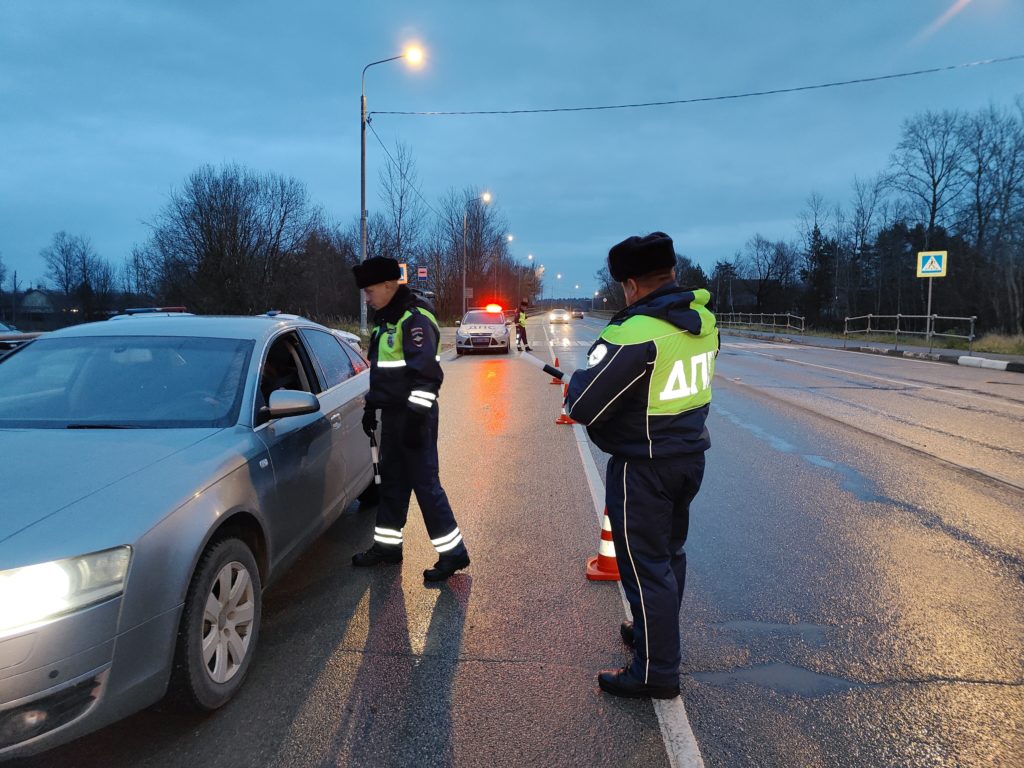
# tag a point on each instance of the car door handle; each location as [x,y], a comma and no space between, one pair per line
[335,420]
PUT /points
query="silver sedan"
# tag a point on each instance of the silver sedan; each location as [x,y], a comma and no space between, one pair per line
[157,474]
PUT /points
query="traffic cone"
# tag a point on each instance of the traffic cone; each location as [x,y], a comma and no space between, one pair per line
[604,567]
[555,379]
[565,418]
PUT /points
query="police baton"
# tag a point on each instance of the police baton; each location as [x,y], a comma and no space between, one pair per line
[376,458]
[548,369]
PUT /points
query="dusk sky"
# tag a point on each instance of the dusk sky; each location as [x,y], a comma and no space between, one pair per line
[107,105]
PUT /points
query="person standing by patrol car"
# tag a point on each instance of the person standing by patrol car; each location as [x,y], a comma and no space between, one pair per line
[644,398]
[521,327]
[405,379]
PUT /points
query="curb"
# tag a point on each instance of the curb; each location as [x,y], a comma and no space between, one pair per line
[967,360]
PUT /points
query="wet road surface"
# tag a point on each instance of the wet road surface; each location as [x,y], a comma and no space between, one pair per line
[856,559]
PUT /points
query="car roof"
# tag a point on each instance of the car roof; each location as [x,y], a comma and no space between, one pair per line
[255,328]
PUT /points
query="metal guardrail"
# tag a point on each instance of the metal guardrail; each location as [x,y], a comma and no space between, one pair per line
[910,325]
[775,322]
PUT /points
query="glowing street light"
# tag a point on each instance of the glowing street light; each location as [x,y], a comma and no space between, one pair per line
[414,56]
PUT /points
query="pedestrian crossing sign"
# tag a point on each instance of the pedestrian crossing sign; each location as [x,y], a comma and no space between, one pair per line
[932,263]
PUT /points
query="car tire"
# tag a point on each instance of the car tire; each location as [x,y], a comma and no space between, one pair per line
[508,348]
[228,563]
[459,352]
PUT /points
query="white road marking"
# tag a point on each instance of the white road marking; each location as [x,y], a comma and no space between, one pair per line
[901,382]
[680,743]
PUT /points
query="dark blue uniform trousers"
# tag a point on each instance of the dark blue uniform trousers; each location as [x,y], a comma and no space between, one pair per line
[405,470]
[649,511]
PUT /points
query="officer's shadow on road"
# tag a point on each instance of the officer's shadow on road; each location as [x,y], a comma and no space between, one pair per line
[398,711]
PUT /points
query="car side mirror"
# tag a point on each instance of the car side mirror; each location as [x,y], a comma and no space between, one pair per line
[292,402]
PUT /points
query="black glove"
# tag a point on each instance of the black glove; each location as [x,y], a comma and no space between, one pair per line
[370,421]
[414,436]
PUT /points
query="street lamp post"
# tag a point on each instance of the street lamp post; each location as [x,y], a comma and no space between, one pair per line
[486,198]
[414,56]
[519,280]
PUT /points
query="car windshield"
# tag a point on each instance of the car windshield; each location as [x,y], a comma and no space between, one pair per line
[123,382]
[484,318]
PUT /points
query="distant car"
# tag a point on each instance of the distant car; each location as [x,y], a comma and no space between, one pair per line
[577,313]
[12,338]
[558,316]
[157,475]
[350,338]
[483,329]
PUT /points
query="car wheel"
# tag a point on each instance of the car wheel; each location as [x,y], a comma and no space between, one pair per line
[508,348]
[458,352]
[219,626]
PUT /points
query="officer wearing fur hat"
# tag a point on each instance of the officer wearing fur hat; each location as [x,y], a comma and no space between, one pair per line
[405,379]
[644,397]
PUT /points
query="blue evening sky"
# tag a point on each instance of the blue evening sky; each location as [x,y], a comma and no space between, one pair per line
[107,105]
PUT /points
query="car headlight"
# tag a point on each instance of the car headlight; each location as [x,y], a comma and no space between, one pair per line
[37,593]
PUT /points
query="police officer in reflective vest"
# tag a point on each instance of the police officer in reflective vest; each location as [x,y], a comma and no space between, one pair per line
[521,327]
[405,379]
[644,397]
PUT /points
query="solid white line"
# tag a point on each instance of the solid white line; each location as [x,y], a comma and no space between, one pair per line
[680,743]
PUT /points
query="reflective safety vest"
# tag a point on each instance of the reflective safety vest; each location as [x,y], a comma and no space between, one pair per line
[405,368]
[647,386]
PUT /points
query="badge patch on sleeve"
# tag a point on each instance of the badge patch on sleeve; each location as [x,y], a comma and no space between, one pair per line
[417,336]
[597,355]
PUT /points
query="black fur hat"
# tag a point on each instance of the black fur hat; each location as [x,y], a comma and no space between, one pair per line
[638,256]
[376,270]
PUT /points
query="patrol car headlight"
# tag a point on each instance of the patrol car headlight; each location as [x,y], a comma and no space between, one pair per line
[37,593]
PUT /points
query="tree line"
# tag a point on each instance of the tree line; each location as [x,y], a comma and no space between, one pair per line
[234,241]
[954,182]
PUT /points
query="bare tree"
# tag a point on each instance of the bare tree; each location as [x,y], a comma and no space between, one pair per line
[64,259]
[227,238]
[404,213]
[15,290]
[928,164]
[994,170]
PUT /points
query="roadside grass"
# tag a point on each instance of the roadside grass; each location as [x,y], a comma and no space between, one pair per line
[1001,344]
[996,343]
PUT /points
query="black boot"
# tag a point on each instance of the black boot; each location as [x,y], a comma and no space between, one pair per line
[626,633]
[529,348]
[445,566]
[377,555]
[618,682]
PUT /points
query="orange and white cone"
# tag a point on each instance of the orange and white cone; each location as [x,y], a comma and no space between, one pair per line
[604,567]
[555,379]
[565,418]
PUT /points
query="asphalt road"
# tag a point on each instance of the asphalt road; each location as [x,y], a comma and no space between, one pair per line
[854,595]
[856,558]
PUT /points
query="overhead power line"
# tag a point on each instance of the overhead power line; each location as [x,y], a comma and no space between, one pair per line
[702,99]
